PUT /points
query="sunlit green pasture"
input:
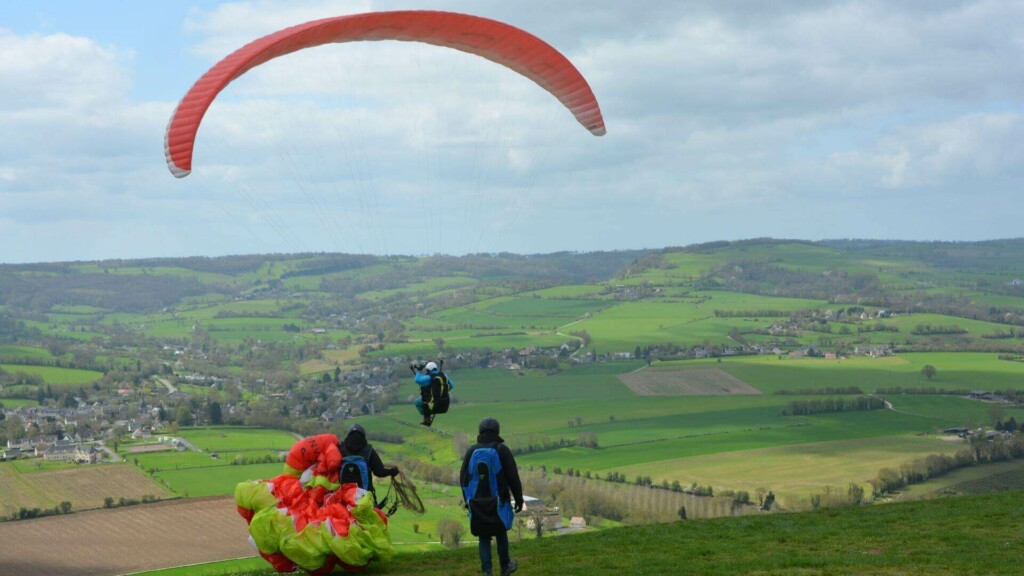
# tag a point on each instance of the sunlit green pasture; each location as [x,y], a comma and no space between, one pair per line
[172,460]
[520,312]
[226,439]
[797,470]
[907,323]
[215,480]
[585,381]
[206,277]
[630,324]
[16,402]
[430,285]
[819,428]
[55,375]
[956,370]
[948,411]
[569,291]
[498,342]
[10,350]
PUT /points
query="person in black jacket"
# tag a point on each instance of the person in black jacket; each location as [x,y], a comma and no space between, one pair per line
[508,482]
[355,444]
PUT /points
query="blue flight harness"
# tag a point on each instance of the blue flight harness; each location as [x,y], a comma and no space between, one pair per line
[489,514]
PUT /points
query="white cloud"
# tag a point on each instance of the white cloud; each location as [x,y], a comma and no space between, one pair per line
[58,71]
[726,119]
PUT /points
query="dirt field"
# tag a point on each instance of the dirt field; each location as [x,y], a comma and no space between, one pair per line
[85,487]
[693,382]
[125,540]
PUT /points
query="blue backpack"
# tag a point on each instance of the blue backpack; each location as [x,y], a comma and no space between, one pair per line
[354,469]
[489,515]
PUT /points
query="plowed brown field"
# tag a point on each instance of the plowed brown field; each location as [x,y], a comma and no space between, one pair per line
[125,540]
[85,487]
[688,382]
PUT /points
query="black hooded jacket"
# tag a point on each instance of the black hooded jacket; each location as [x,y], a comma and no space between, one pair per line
[508,479]
[355,444]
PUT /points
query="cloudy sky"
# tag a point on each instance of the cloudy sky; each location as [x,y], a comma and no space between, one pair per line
[726,119]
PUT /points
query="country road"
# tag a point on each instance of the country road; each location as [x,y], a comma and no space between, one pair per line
[170,387]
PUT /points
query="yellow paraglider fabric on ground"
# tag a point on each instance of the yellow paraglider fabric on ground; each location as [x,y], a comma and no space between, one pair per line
[367,539]
[313,527]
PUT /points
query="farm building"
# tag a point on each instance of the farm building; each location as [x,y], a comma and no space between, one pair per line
[550,520]
[531,502]
[72,453]
[578,522]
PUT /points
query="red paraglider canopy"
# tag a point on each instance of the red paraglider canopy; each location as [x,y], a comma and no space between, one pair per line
[496,41]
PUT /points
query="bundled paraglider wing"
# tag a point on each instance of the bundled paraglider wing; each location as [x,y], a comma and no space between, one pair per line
[496,41]
[304,519]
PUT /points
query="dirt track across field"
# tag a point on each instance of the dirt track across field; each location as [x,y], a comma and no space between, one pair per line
[687,382]
[125,540]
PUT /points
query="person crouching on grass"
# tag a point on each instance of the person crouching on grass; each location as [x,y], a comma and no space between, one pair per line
[489,474]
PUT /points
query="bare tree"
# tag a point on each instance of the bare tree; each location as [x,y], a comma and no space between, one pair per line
[450,531]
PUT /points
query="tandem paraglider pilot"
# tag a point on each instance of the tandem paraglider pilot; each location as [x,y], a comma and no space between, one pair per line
[489,477]
[435,386]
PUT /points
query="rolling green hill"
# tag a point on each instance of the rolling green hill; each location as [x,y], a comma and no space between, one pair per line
[976,535]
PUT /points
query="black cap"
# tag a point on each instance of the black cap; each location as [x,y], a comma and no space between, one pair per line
[489,425]
[356,428]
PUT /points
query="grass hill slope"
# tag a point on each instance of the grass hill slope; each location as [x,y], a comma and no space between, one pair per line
[950,536]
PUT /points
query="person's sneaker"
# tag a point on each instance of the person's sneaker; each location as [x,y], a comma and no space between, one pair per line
[488,573]
[512,566]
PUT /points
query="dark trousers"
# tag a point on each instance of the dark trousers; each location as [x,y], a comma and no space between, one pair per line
[485,551]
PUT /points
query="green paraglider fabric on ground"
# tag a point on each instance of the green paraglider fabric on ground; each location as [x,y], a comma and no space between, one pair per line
[273,530]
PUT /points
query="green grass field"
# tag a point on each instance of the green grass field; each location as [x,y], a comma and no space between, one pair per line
[215,480]
[16,402]
[8,350]
[54,375]
[234,439]
[965,536]
[200,474]
[716,439]
[1000,476]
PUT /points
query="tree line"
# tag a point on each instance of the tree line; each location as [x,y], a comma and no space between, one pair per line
[829,405]
[1003,447]
[825,390]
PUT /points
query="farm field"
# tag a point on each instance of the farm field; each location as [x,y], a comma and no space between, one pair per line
[499,341]
[85,486]
[692,382]
[17,402]
[995,477]
[959,370]
[228,438]
[125,540]
[55,375]
[831,464]
[198,474]
[639,435]
[9,350]
[214,480]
